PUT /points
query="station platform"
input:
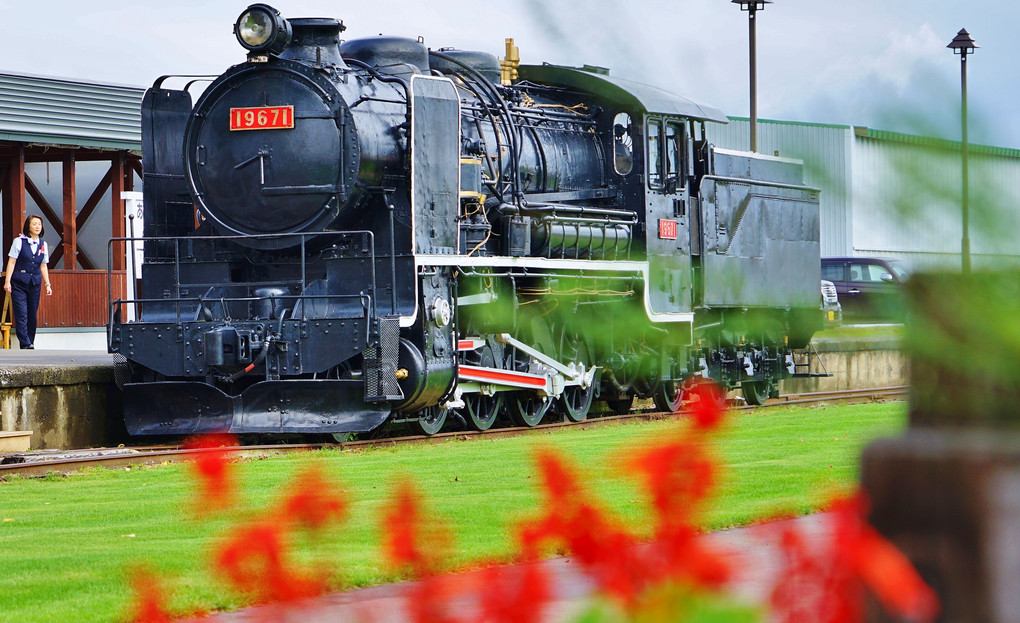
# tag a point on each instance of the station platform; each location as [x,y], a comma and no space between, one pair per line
[67,398]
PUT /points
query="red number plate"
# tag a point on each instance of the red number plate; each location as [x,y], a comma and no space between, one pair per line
[667,229]
[262,118]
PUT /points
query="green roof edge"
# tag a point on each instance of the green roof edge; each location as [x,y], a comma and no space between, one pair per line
[931,141]
[897,137]
[809,124]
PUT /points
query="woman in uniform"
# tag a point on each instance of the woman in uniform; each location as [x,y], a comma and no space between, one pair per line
[26,274]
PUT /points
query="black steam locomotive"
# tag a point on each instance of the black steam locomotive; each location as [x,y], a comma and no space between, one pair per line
[342,235]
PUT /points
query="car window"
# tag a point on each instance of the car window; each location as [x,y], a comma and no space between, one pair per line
[901,272]
[832,272]
[867,273]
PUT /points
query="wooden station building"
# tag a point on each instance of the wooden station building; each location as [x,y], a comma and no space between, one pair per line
[68,149]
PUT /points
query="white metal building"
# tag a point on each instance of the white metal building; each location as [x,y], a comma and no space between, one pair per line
[897,195]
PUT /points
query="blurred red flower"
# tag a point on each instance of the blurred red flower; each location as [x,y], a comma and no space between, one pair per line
[310,501]
[822,578]
[212,466]
[150,599]
[254,561]
[678,475]
[523,593]
[707,404]
[433,600]
[606,551]
[411,539]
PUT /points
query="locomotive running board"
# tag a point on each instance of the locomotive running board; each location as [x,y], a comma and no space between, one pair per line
[478,379]
[292,406]
[508,378]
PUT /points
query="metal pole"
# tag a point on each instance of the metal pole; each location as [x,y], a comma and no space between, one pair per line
[754,76]
[965,244]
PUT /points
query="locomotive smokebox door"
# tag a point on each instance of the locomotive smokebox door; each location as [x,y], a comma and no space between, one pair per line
[435,164]
[271,150]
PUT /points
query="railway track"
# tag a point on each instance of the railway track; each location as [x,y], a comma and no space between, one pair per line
[41,463]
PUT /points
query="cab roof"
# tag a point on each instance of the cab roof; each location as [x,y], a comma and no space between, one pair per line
[627,93]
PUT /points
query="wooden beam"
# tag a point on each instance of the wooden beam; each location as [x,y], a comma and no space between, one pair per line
[14,197]
[70,240]
[44,206]
[84,259]
[94,198]
[56,255]
[81,258]
[118,229]
[5,200]
[136,166]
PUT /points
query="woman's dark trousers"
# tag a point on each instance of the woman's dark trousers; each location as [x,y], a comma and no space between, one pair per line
[25,299]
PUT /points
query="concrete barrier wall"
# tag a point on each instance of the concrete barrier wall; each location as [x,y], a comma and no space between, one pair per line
[65,405]
[854,364]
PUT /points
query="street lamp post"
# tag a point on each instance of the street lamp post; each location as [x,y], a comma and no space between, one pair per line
[963,44]
[752,7]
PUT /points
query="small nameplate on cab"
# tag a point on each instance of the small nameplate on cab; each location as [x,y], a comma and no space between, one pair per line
[667,229]
[262,118]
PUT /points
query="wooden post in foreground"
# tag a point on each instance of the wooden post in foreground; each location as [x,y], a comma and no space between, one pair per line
[947,492]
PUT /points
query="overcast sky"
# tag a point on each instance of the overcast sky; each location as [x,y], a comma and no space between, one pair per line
[877,63]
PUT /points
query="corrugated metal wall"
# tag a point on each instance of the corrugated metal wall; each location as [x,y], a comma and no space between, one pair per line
[61,111]
[897,195]
[825,150]
[908,200]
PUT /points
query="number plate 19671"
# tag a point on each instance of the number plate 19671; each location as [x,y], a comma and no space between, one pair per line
[262,118]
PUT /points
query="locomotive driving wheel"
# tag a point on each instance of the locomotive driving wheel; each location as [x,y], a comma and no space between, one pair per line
[431,419]
[669,396]
[621,406]
[756,392]
[575,400]
[482,410]
[528,408]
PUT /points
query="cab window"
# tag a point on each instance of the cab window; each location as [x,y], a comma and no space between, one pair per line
[676,152]
[623,144]
[655,153]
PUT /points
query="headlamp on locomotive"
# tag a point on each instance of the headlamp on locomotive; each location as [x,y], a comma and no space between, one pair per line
[261,29]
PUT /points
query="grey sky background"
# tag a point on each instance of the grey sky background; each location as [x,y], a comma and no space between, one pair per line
[881,64]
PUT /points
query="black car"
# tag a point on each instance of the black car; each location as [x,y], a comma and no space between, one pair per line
[868,288]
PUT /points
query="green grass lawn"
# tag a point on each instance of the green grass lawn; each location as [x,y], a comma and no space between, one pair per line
[67,544]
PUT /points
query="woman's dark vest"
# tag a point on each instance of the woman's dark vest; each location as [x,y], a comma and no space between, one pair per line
[26,267]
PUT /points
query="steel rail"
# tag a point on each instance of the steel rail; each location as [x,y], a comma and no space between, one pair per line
[127,458]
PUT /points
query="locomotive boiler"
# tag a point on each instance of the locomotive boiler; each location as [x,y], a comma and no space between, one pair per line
[347,235]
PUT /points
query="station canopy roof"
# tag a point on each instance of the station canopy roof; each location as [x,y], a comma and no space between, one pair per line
[627,93]
[69,112]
